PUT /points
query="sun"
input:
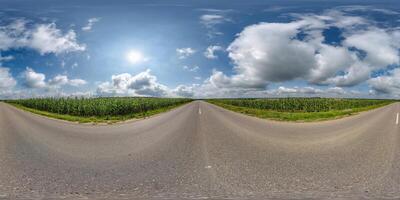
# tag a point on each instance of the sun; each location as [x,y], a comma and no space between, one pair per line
[134,57]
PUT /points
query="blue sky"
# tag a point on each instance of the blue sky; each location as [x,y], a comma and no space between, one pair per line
[199,49]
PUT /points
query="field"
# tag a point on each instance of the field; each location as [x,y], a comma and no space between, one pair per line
[300,109]
[114,109]
[110,109]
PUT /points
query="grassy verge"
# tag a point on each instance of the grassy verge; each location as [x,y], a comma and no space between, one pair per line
[96,119]
[296,116]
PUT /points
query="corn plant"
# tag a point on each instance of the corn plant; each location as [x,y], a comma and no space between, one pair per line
[302,104]
[102,107]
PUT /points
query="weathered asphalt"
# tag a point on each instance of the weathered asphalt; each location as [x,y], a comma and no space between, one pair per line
[200,151]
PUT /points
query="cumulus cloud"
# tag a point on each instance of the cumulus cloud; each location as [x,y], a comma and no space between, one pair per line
[45,38]
[90,24]
[265,53]
[60,80]
[142,84]
[219,80]
[382,48]
[208,90]
[34,80]
[268,52]
[388,84]
[210,51]
[184,91]
[6,80]
[328,62]
[185,52]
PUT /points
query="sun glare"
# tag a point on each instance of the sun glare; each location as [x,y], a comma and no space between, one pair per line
[135,57]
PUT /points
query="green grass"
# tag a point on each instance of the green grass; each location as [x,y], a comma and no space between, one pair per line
[98,110]
[298,116]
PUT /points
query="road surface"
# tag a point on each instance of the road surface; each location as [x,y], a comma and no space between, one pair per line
[200,151]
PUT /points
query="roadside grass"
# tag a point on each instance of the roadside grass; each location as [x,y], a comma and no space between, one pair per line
[296,116]
[97,119]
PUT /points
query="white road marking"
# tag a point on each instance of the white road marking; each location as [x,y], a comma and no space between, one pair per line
[199,111]
[397,118]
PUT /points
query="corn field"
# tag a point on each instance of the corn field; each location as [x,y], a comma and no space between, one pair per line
[302,104]
[100,107]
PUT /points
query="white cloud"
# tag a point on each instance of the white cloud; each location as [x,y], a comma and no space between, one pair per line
[335,90]
[184,91]
[382,48]
[6,80]
[60,80]
[266,51]
[387,84]
[219,80]
[45,38]
[284,90]
[185,52]
[309,91]
[296,90]
[191,69]
[274,52]
[329,61]
[210,51]
[90,24]
[12,35]
[210,20]
[26,93]
[353,75]
[207,90]
[34,79]
[5,58]
[142,84]
[77,82]
[367,9]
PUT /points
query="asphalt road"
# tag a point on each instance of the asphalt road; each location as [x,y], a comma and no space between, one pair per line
[200,151]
